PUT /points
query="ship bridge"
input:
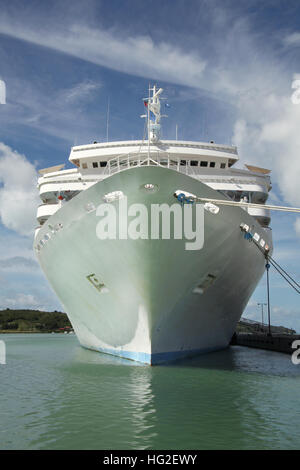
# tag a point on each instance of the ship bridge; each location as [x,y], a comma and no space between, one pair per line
[202,154]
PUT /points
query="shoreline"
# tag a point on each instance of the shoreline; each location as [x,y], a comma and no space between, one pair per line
[11,332]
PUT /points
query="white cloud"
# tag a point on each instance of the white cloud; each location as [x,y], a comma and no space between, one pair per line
[280,315]
[59,112]
[266,130]
[297,226]
[138,55]
[80,91]
[273,141]
[18,264]
[18,193]
[22,301]
[252,79]
[292,39]
[237,70]
[286,316]
[14,245]
[2,92]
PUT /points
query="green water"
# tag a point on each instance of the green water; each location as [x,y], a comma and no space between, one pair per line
[57,395]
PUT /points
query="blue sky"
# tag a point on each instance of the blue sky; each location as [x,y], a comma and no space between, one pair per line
[227,68]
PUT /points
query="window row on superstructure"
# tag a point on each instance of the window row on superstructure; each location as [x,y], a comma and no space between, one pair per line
[202,163]
[255,197]
[85,165]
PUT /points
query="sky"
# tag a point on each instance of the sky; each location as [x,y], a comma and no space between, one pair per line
[229,70]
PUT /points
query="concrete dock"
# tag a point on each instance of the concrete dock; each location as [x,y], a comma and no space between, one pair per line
[275,342]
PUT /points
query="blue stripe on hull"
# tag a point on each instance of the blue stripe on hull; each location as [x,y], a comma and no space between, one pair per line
[158,358]
[132,355]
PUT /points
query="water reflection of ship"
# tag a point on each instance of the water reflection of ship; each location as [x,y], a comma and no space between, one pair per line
[196,398]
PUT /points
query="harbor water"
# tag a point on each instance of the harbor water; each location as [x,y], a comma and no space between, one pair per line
[57,395]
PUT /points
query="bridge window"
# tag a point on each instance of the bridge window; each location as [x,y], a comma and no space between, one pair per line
[95,164]
[212,164]
[84,165]
[259,197]
[203,163]
[183,162]
[102,164]
[237,196]
[194,162]
[223,165]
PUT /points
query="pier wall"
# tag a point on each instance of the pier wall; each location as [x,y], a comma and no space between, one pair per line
[279,343]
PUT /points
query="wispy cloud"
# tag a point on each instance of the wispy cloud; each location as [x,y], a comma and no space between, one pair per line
[280,315]
[255,80]
[297,226]
[61,113]
[292,39]
[82,91]
[21,301]
[18,264]
[138,55]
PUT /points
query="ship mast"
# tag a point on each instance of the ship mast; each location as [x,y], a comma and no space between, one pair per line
[153,105]
[148,123]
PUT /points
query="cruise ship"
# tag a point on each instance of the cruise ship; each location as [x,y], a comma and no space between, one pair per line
[138,286]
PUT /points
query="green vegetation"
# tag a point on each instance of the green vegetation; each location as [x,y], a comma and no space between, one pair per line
[33,321]
[245,326]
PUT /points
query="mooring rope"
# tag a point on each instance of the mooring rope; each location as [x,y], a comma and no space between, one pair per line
[191,198]
[291,281]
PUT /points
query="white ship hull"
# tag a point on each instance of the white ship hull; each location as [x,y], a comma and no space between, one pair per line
[148,310]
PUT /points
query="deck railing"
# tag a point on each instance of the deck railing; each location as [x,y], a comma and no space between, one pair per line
[122,162]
